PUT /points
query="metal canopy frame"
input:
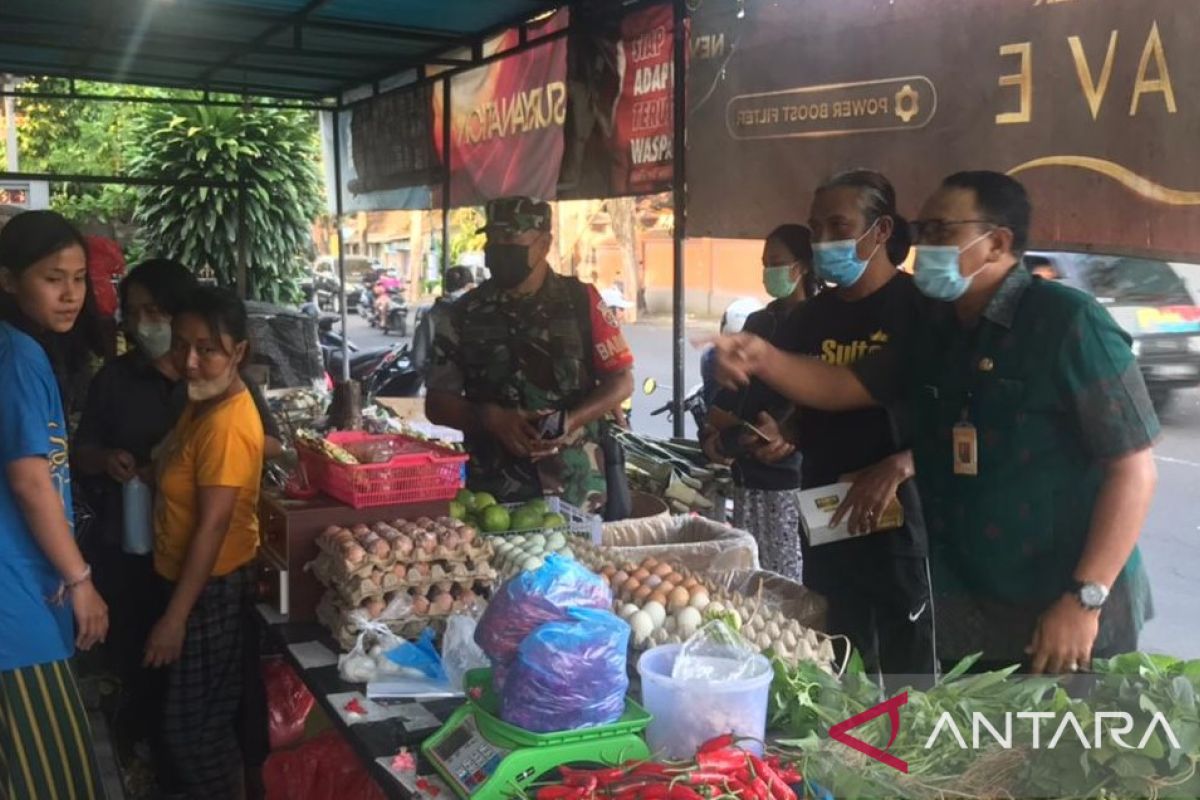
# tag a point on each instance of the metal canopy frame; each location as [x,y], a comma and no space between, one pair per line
[282,85]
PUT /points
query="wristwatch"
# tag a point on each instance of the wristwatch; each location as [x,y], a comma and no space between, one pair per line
[1090,595]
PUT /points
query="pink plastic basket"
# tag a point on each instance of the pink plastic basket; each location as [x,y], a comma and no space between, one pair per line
[419,472]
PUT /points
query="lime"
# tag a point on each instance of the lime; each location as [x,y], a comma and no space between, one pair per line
[495,519]
[458,510]
[554,521]
[526,519]
[483,500]
[538,507]
[466,498]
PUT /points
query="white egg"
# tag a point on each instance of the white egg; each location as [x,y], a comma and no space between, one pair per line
[656,611]
[532,563]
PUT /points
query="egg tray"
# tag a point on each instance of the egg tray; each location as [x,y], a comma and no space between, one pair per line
[478,550]
[366,588]
[333,615]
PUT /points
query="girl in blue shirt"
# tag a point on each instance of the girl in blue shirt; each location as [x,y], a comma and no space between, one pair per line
[48,605]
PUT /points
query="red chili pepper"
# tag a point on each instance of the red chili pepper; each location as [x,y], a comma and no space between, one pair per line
[652,769]
[678,792]
[777,788]
[590,778]
[725,760]
[703,778]
[557,793]
[717,743]
[790,775]
[632,789]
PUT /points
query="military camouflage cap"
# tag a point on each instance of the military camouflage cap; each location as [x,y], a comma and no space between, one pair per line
[514,215]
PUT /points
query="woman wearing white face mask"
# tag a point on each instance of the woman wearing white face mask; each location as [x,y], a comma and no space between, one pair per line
[205,538]
[132,404]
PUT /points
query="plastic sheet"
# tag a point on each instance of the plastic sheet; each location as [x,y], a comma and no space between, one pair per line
[323,768]
[693,542]
[716,654]
[531,599]
[569,674]
[285,341]
[289,703]
[460,654]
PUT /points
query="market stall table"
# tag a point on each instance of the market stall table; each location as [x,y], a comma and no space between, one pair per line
[406,723]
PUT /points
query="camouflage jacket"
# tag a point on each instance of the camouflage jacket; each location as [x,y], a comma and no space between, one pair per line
[530,353]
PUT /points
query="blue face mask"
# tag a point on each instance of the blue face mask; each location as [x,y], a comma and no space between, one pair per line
[937,272]
[838,262]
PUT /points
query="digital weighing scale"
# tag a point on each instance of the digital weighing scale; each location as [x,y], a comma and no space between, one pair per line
[484,758]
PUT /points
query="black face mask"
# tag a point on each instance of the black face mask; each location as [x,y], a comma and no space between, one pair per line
[509,263]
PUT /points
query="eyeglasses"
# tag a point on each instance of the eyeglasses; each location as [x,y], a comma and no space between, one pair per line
[938,230]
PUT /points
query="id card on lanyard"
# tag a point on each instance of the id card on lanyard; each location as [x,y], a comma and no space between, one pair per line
[965,436]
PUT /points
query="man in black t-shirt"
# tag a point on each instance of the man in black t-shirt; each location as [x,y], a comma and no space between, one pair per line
[877,584]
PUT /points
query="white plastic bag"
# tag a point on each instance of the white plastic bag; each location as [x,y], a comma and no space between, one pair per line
[715,653]
[460,654]
[363,665]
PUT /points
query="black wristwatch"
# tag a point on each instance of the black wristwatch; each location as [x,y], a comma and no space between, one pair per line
[1090,595]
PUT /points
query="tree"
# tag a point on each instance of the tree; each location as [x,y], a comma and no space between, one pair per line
[82,137]
[271,153]
[624,225]
[464,236]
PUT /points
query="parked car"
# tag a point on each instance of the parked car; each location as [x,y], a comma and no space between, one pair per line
[1150,300]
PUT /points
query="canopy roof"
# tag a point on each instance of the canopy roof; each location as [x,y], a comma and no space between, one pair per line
[308,49]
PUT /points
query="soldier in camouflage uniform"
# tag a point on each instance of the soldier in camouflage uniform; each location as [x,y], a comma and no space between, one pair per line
[526,344]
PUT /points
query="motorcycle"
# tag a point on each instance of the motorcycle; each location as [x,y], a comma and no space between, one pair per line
[362,362]
[693,403]
[395,376]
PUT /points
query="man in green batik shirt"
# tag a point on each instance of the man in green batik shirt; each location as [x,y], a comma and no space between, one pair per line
[1032,433]
[529,366]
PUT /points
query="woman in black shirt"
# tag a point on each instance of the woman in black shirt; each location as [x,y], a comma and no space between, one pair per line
[766,472]
[876,583]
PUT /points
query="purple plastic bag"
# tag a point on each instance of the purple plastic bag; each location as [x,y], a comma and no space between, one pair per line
[532,599]
[569,674]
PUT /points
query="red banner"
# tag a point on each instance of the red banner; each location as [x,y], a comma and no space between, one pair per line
[506,120]
[644,119]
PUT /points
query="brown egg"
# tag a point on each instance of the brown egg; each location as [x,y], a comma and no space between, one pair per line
[618,579]
[666,587]
[679,599]
[609,571]
[629,567]
[689,583]
[642,593]
[659,597]
[675,578]
[631,586]
[650,563]
[641,574]
[663,570]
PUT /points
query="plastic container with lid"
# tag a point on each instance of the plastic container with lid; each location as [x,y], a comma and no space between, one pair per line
[681,724]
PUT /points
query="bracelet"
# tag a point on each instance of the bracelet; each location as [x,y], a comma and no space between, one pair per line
[82,579]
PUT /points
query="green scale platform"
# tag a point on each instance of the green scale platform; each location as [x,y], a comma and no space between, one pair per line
[484,758]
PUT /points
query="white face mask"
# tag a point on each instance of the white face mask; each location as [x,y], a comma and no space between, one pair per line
[201,390]
[154,338]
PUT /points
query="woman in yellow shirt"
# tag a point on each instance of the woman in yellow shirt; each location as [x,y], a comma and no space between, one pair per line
[206,535]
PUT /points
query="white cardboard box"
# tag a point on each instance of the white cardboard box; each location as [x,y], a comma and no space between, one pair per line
[817,507]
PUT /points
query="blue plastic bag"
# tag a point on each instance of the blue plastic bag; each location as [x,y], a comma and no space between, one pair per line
[569,674]
[531,599]
[421,656]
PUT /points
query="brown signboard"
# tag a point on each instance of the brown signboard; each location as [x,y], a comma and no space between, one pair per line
[1093,104]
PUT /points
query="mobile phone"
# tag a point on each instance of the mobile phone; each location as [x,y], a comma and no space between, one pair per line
[553,426]
[753,431]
